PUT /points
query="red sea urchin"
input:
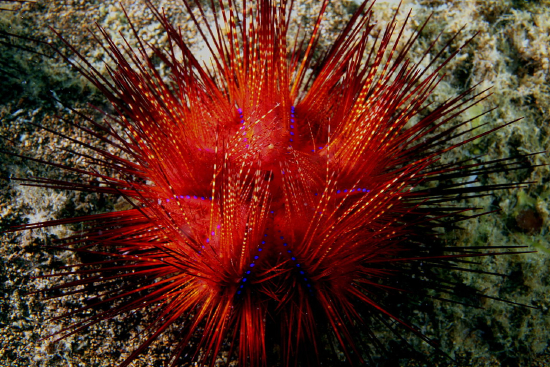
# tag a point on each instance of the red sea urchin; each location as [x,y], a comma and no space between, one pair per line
[276,198]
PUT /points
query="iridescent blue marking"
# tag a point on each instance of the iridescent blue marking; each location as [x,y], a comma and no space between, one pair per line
[292,121]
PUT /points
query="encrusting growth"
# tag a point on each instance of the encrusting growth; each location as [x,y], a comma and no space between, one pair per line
[276,197]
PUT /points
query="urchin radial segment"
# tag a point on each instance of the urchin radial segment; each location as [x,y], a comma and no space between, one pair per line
[276,197]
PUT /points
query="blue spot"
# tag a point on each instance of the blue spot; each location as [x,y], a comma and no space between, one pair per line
[292,120]
[189,197]
[208,240]
[298,265]
[337,191]
[293,258]
[285,244]
[282,237]
[316,194]
[351,190]
[238,292]
[248,272]
[213,233]
[271,213]
[252,265]
[167,200]
[259,249]
[364,190]
[265,235]
[242,285]
[244,279]
[346,190]
[292,126]
[194,197]
[309,285]
[291,140]
[240,110]
[263,243]
[320,148]
[289,251]
[301,272]
[202,197]
[368,190]
[291,133]
[256,257]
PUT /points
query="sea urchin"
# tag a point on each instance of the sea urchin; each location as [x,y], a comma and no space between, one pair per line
[277,196]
